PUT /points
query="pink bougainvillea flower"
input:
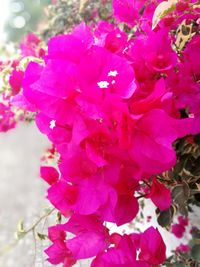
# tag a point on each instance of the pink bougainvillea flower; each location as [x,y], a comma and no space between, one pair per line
[84,33]
[29,46]
[107,75]
[181,6]
[183,248]
[57,133]
[191,55]
[136,56]
[157,98]
[58,252]
[57,108]
[15,81]
[62,195]
[153,249]
[152,146]
[7,118]
[110,37]
[85,198]
[52,79]
[159,54]
[160,195]
[21,102]
[183,220]
[56,233]
[48,84]
[110,104]
[49,174]
[127,10]
[77,167]
[126,209]
[122,254]
[123,206]
[152,55]
[87,229]
[92,194]
[178,230]
[70,47]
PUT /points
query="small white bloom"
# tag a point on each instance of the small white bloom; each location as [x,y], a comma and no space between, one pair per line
[52,124]
[191,115]
[103,84]
[113,73]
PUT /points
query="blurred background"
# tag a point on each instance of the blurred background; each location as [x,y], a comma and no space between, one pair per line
[17,17]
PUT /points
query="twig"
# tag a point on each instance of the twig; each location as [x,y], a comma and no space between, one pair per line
[13,244]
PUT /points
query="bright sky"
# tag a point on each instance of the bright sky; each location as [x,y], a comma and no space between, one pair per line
[4,13]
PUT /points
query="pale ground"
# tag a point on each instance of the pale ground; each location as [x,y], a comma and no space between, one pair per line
[22,196]
[21,191]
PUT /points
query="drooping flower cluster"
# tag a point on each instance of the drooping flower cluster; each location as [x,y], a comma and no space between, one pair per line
[110,104]
[13,105]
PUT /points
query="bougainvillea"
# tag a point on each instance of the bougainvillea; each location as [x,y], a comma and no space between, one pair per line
[113,101]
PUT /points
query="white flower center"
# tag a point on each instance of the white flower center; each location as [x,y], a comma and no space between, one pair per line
[52,124]
[113,73]
[103,84]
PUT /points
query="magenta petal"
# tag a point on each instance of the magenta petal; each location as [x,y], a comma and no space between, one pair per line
[15,81]
[126,209]
[87,245]
[160,195]
[49,174]
[178,230]
[153,249]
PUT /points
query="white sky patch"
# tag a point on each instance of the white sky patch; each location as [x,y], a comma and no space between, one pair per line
[19,22]
[103,84]
[4,14]
[52,124]
[113,73]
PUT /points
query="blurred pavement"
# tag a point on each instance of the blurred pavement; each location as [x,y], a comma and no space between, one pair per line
[22,193]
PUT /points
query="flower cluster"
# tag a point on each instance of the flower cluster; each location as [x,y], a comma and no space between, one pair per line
[178,229]
[113,104]
[13,106]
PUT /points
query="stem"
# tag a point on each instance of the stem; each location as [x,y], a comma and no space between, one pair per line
[39,221]
[13,244]
[141,196]
[146,183]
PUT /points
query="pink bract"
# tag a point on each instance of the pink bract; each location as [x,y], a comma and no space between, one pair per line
[160,195]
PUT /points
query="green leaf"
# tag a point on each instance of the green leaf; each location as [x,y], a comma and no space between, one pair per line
[195,233]
[19,235]
[195,252]
[41,236]
[20,230]
[181,193]
[165,217]
[179,264]
[58,218]
[20,226]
